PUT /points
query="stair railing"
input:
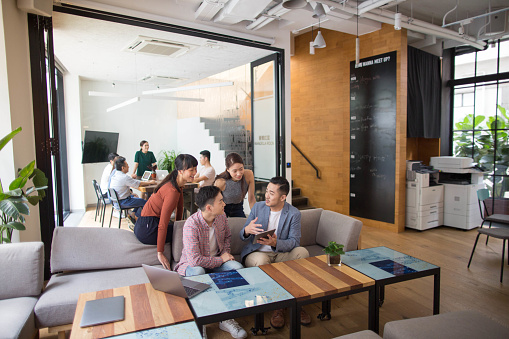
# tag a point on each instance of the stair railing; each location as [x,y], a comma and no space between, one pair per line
[309,161]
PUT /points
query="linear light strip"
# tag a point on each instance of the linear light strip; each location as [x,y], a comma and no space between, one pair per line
[188,88]
[120,95]
[122,104]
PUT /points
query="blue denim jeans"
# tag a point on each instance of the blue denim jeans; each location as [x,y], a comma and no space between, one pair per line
[227,266]
[134,202]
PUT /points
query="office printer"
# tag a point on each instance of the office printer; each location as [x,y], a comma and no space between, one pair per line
[457,170]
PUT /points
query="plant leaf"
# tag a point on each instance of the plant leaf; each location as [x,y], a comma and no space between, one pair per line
[8,137]
[33,200]
[15,225]
[39,178]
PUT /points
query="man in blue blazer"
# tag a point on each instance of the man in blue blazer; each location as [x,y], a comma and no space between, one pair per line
[274,214]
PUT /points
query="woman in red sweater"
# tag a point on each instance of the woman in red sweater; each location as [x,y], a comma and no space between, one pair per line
[153,226]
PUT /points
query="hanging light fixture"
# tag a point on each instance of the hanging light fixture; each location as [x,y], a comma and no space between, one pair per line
[319,11]
[293,4]
[319,40]
[311,48]
[397,20]
[357,43]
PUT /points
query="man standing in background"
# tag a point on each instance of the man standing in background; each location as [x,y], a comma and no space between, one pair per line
[207,174]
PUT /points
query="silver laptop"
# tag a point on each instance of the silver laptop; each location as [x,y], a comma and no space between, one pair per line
[102,311]
[161,174]
[146,176]
[171,282]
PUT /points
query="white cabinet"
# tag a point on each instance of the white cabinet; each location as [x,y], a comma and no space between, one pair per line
[461,209]
[424,205]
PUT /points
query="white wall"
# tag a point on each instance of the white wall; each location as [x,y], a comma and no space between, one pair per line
[194,138]
[151,120]
[16,104]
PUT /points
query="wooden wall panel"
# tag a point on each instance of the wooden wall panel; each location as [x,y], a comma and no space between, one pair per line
[422,149]
[321,117]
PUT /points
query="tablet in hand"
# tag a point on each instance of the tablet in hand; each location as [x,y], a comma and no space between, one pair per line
[264,234]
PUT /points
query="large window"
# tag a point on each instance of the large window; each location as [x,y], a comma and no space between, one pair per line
[481,113]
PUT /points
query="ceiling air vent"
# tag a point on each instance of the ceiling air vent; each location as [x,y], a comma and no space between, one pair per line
[153,46]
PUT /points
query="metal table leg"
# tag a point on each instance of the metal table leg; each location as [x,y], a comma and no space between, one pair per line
[326,309]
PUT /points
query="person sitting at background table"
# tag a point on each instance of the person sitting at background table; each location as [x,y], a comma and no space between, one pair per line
[122,183]
[144,160]
[206,239]
[106,173]
[153,226]
[235,182]
[207,173]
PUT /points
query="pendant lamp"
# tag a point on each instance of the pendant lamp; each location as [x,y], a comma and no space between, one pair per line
[319,40]
[311,48]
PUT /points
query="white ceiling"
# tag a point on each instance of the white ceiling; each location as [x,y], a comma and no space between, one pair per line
[92,48]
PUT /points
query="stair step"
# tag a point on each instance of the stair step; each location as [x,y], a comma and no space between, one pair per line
[300,201]
[295,191]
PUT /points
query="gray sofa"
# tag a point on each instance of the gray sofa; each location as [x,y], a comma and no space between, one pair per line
[318,227]
[21,279]
[88,259]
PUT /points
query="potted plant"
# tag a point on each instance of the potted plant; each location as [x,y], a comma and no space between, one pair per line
[167,160]
[334,251]
[13,203]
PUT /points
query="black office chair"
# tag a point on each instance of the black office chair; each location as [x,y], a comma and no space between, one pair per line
[100,208]
[116,206]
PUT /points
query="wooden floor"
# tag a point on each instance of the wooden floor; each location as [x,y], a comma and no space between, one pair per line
[477,288]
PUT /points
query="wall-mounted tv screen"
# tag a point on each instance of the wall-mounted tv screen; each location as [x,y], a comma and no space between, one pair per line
[97,146]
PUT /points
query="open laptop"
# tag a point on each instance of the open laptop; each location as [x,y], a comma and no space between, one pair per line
[102,311]
[161,174]
[146,176]
[171,282]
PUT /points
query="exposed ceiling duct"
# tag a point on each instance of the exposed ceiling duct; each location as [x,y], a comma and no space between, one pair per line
[208,9]
[236,11]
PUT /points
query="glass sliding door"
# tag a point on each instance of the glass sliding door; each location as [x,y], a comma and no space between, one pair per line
[266,113]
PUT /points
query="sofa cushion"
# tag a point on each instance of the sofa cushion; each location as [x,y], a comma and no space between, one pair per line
[461,324]
[17,317]
[339,228]
[315,250]
[236,245]
[309,222]
[57,304]
[21,267]
[94,248]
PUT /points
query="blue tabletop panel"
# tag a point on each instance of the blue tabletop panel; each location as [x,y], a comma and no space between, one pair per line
[381,263]
[178,331]
[259,290]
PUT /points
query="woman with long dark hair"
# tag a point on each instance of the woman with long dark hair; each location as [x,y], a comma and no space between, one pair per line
[235,182]
[153,226]
[144,160]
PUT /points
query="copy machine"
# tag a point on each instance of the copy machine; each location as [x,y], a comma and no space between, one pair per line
[461,180]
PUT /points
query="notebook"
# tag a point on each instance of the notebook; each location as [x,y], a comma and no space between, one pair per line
[171,282]
[102,311]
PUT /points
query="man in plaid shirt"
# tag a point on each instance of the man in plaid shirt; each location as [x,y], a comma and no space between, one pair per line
[206,239]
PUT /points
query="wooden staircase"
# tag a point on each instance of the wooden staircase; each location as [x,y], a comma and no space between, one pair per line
[300,201]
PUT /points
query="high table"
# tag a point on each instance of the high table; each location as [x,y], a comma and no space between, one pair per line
[144,308]
[387,266]
[248,291]
[311,280]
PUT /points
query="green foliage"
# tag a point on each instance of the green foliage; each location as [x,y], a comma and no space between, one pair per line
[334,248]
[167,160]
[477,139]
[13,203]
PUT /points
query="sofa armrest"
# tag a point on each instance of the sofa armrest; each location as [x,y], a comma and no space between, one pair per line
[22,269]
[340,228]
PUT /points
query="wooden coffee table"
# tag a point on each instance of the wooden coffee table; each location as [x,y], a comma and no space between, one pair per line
[311,280]
[144,308]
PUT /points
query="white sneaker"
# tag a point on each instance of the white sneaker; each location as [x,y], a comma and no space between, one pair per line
[233,327]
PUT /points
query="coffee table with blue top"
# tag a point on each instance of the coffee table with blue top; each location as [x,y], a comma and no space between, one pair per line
[387,266]
[234,294]
[187,330]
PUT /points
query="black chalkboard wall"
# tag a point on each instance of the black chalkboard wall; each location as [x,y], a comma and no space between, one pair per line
[373,137]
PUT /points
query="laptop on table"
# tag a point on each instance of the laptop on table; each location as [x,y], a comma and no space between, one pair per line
[171,282]
[161,174]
